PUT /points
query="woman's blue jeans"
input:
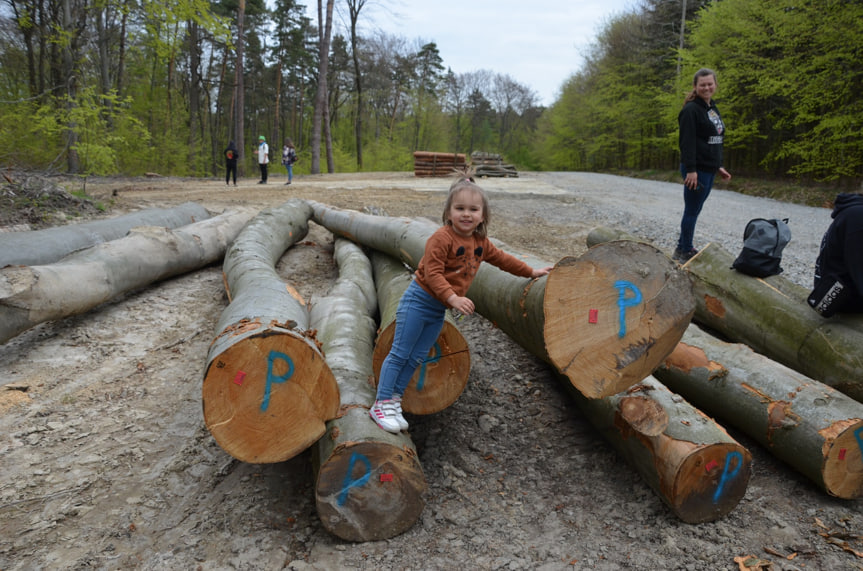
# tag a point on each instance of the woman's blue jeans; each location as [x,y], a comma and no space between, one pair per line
[693,201]
[419,320]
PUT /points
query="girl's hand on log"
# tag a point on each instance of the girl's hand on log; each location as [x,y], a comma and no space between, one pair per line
[462,304]
[538,273]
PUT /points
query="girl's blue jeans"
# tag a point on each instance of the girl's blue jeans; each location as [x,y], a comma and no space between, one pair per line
[693,201]
[419,320]
[290,169]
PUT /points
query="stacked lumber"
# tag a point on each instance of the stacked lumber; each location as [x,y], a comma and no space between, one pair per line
[428,163]
[490,164]
[696,468]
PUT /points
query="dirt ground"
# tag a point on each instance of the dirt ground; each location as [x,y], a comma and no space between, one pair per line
[107,464]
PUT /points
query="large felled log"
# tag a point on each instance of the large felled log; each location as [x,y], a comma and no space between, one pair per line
[807,424]
[41,247]
[771,321]
[369,484]
[443,376]
[267,391]
[691,462]
[30,295]
[605,320]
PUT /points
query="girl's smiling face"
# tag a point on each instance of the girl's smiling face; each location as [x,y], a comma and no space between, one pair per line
[705,87]
[466,212]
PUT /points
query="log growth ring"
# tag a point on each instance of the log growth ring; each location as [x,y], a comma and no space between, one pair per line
[370,490]
[613,314]
[440,380]
[267,397]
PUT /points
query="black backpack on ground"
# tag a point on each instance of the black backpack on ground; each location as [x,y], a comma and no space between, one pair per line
[763,242]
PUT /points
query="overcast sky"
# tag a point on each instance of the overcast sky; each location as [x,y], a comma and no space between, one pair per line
[539,43]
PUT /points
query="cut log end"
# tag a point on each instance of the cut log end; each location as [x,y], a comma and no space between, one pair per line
[267,397]
[711,482]
[440,380]
[369,491]
[625,304]
[843,464]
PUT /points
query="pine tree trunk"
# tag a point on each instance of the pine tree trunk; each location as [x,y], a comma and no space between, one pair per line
[40,247]
[30,295]
[267,390]
[773,321]
[443,376]
[369,484]
[803,422]
[697,469]
[605,320]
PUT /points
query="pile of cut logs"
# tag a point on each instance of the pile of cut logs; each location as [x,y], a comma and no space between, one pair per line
[491,164]
[614,324]
[428,163]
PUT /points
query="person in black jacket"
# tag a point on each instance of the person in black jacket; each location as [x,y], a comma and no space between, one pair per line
[700,140]
[839,267]
[231,163]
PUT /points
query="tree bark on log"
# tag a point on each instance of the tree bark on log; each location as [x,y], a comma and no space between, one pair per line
[775,323]
[443,376]
[369,484]
[632,303]
[42,247]
[812,427]
[267,391]
[691,462]
[30,295]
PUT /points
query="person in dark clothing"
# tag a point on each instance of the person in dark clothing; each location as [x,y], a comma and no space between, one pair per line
[839,267]
[701,135]
[231,163]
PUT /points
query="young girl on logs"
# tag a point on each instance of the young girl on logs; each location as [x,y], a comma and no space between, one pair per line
[450,261]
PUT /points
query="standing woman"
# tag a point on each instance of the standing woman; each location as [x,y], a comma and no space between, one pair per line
[289,157]
[701,136]
[263,158]
[231,163]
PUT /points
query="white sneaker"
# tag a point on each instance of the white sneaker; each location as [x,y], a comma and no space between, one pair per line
[384,412]
[403,424]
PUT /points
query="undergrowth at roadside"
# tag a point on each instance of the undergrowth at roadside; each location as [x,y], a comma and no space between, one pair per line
[796,192]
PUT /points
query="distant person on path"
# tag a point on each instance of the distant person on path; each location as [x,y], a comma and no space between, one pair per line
[450,261]
[231,163]
[289,157]
[263,158]
[700,139]
[839,267]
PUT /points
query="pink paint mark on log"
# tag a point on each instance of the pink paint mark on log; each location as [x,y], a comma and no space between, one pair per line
[239,377]
[386,477]
[594,316]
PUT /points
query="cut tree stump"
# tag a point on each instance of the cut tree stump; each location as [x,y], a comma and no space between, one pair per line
[812,427]
[770,320]
[41,247]
[267,391]
[443,376]
[369,484]
[30,295]
[605,320]
[691,462]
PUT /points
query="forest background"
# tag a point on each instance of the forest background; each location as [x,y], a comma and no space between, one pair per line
[105,87]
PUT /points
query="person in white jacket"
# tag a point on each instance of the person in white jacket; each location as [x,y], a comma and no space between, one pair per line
[263,158]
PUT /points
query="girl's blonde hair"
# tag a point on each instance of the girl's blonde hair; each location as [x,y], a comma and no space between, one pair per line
[465,181]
